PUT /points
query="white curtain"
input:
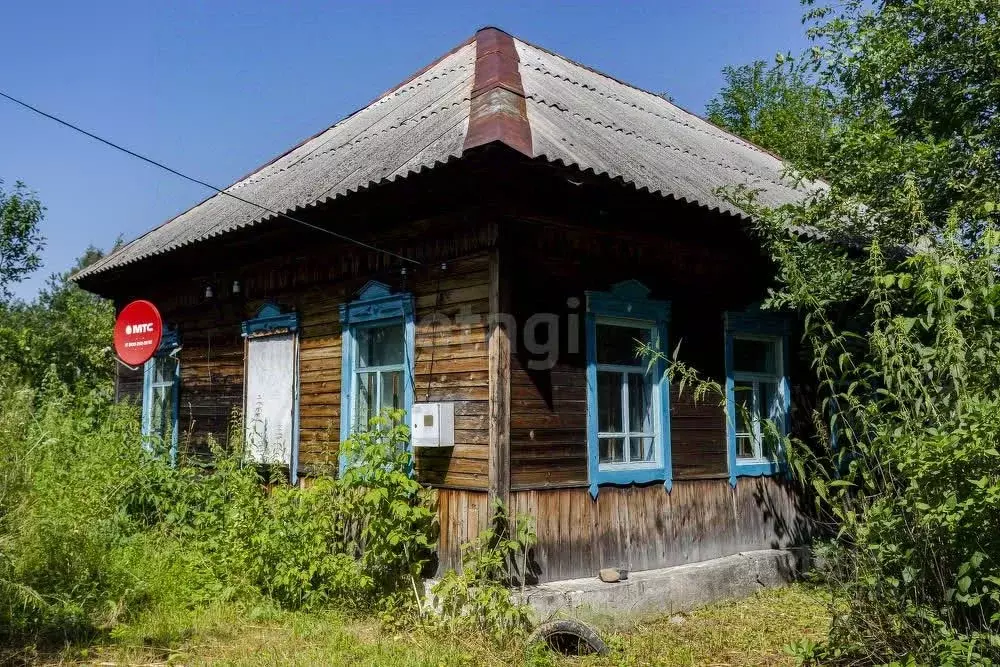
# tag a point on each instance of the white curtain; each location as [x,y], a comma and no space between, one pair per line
[270,398]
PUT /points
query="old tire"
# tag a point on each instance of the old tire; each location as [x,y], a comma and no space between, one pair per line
[569,636]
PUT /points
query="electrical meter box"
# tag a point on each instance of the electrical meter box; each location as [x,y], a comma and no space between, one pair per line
[433,425]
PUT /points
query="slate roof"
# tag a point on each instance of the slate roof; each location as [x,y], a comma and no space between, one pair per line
[584,118]
[562,112]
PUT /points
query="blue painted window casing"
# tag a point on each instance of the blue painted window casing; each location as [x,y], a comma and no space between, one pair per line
[757,390]
[161,377]
[271,321]
[377,355]
[628,399]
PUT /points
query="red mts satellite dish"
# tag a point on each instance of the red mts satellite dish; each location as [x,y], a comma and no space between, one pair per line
[138,331]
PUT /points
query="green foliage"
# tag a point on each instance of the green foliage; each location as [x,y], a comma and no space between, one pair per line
[913,486]
[65,332]
[777,108]
[20,240]
[900,318]
[96,531]
[480,598]
[917,99]
[392,514]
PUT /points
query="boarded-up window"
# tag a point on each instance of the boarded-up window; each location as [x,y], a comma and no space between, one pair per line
[270,398]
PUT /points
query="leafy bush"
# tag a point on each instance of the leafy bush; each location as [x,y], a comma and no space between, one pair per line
[900,318]
[479,598]
[914,484]
[96,531]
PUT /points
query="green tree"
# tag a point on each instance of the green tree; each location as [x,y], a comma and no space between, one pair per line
[65,332]
[902,325]
[20,239]
[918,85]
[777,108]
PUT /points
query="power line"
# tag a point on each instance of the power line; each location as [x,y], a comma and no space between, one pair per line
[200,182]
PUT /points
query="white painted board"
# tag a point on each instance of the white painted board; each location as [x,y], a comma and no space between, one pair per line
[270,398]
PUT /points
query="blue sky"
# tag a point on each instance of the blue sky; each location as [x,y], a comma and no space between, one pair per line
[216,88]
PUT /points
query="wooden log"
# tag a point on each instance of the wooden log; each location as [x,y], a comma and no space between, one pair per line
[499,386]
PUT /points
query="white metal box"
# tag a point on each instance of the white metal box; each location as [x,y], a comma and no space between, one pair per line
[433,425]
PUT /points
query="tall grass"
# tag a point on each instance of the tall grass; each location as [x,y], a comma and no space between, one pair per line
[97,532]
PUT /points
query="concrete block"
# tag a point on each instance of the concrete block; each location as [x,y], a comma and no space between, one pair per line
[673,589]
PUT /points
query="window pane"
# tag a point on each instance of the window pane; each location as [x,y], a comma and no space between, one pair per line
[640,403]
[380,346]
[771,400]
[161,414]
[743,413]
[392,390]
[744,447]
[618,345]
[641,449]
[164,369]
[609,402]
[612,450]
[754,356]
[365,405]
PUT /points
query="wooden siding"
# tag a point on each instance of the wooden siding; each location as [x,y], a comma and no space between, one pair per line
[642,528]
[451,364]
[462,515]
[639,528]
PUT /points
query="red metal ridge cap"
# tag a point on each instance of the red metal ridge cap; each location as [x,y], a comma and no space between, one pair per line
[498,110]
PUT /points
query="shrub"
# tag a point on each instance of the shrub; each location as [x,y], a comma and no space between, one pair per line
[480,598]
[911,479]
[96,531]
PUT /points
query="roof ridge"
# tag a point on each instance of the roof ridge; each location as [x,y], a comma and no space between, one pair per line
[498,111]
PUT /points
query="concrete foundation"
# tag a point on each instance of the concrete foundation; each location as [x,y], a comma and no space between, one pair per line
[673,589]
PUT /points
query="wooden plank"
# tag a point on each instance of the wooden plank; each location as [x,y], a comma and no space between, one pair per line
[499,386]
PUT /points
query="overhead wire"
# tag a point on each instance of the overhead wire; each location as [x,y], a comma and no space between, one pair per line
[202,183]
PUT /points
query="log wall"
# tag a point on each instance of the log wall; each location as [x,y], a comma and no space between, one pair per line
[451,302]
[555,267]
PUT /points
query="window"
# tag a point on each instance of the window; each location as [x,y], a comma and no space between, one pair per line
[270,408]
[160,388]
[378,371]
[627,399]
[626,421]
[757,392]
[377,348]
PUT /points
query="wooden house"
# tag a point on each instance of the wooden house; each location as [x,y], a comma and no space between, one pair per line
[486,241]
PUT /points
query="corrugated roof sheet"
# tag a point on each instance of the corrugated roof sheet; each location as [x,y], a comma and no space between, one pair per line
[583,118]
[420,123]
[576,117]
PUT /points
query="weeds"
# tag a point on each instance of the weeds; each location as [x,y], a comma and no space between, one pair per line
[97,531]
[480,598]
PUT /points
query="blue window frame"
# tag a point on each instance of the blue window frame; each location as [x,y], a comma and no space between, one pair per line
[377,355]
[757,392]
[161,378]
[271,388]
[628,399]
